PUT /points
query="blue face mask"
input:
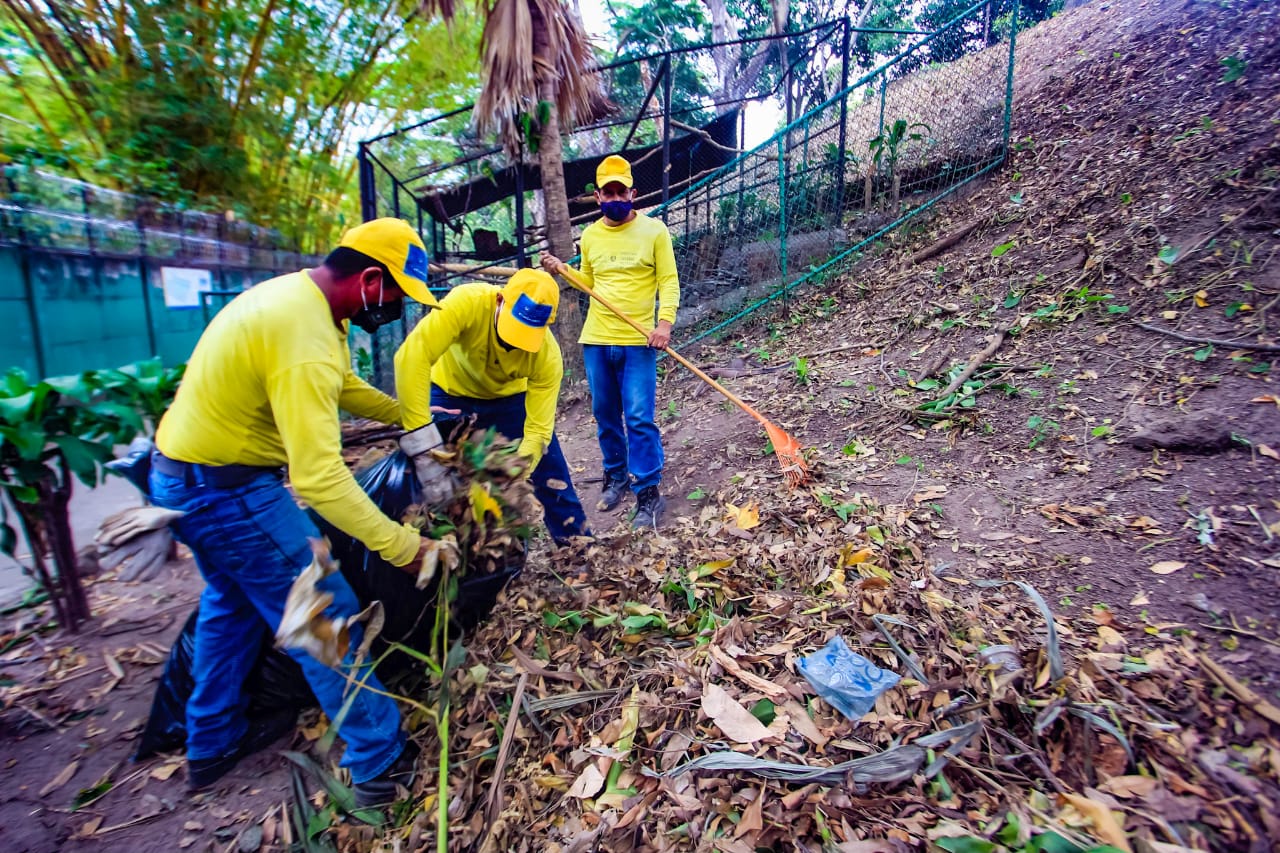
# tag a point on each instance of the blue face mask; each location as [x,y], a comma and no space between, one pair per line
[618,211]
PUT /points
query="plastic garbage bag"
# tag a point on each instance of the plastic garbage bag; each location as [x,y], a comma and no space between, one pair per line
[847,680]
[276,688]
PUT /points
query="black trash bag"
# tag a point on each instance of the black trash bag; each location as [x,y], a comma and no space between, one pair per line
[276,687]
[409,611]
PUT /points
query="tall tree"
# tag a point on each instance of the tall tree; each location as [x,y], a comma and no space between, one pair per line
[249,104]
[535,78]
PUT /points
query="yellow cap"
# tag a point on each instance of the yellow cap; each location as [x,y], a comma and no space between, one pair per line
[613,168]
[529,302]
[392,242]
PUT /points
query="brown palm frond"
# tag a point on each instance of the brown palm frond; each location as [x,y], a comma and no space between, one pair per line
[526,45]
[433,8]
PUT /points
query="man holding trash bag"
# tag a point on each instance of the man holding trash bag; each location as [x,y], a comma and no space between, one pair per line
[487,352]
[261,392]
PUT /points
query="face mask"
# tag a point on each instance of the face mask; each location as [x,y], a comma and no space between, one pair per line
[618,211]
[370,319]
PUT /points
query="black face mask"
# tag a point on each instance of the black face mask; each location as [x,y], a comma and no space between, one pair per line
[370,318]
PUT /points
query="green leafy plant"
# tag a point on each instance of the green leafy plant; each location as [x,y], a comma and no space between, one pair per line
[1043,429]
[800,369]
[57,429]
[1233,68]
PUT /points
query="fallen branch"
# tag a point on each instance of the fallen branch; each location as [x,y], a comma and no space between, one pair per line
[1215,341]
[993,344]
[1255,703]
[494,807]
[946,242]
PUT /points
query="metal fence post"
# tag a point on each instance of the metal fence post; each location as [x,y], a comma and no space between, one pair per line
[844,119]
[28,285]
[666,137]
[1008,96]
[782,213]
[368,185]
[144,274]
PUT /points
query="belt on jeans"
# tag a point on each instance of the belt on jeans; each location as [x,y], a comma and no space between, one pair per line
[218,476]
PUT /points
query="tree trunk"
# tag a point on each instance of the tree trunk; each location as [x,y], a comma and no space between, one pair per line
[569,318]
[47,526]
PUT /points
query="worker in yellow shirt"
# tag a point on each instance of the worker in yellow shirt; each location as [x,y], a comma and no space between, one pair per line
[486,352]
[627,257]
[261,392]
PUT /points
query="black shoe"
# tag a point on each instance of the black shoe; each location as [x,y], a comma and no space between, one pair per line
[203,772]
[381,790]
[614,490]
[262,732]
[649,508]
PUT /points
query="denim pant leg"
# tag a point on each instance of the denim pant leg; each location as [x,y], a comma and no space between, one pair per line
[561,506]
[603,367]
[250,544]
[644,441]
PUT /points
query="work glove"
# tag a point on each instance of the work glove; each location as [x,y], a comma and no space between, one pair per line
[530,453]
[438,483]
[139,536]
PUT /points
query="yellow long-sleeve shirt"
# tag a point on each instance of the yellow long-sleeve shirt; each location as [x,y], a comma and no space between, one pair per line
[264,386]
[456,346]
[632,265]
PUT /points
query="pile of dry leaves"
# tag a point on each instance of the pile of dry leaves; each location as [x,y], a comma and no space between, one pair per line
[643,695]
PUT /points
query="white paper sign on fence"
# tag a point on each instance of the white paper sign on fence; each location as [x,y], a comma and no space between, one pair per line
[183,286]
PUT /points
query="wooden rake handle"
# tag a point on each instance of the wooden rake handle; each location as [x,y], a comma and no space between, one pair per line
[575,278]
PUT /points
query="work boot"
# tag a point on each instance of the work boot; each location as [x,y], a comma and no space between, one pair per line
[649,508]
[262,732]
[381,790]
[614,489]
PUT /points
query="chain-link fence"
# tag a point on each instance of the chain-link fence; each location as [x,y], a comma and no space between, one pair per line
[841,175]
[93,277]
[863,147]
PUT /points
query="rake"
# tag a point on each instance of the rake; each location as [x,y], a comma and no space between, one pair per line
[785,445]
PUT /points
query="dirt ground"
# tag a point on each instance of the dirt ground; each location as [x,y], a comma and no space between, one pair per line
[1131,142]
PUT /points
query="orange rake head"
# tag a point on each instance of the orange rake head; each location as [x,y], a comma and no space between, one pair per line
[789,452]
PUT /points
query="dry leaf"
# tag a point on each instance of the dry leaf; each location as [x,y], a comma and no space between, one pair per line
[90,826]
[1139,600]
[164,771]
[62,778]
[1105,825]
[1268,452]
[113,665]
[734,720]
[1128,786]
[745,518]
[1167,567]
[590,783]
[765,686]
[752,816]
[1202,299]
[1267,398]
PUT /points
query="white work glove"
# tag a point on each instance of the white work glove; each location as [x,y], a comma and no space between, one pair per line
[139,535]
[438,482]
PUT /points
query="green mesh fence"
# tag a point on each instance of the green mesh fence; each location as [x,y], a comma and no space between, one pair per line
[842,175]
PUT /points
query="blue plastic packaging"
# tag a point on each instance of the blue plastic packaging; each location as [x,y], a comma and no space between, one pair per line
[845,678]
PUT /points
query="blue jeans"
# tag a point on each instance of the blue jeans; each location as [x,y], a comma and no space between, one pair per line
[624,382]
[563,511]
[250,542]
